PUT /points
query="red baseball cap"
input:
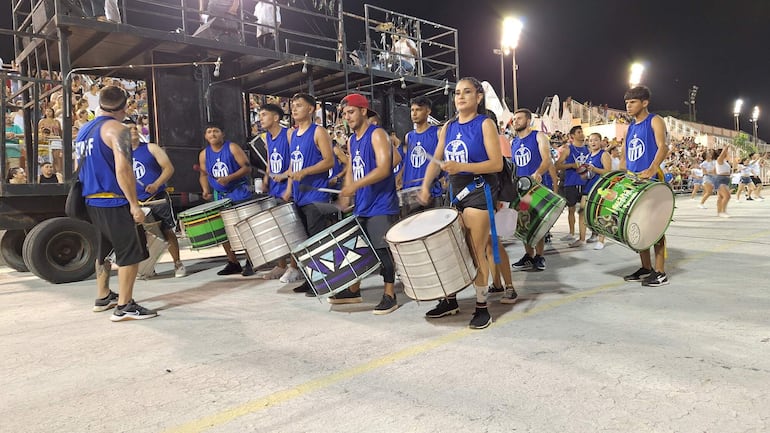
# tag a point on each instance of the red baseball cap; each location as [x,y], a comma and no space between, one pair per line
[360,101]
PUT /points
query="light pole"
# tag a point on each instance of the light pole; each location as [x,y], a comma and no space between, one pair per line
[501,53]
[737,113]
[755,118]
[511,31]
[635,76]
[693,94]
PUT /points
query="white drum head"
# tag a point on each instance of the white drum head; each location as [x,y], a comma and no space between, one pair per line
[421,225]
[650,216]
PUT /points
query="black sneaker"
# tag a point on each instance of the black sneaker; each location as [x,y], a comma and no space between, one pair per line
[303,288]
[481,318]
[107,302]
[231,269]
[248,270]
[655,279]
[493,289]
[345,297]
[387,305]
[539,263]
[132,311]
[548,238]
[445,307]
[639,275]
[523,264]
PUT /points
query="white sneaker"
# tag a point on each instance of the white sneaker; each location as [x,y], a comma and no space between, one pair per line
[179,270]
[568,238]
[723,215]
[576,244]
[599,246]
[275,273]
[592,239]
[702,206]
[291,275]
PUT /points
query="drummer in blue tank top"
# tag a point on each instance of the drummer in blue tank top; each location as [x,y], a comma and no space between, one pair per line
[531,152]
[470,147]
[310,158]
[371,179]
[153,169]
[645,151]
[599,163]
[573,162]
[276,177]
[421,142]
[224,168]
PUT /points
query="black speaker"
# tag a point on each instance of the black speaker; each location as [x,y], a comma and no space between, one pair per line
[402,120]
[227,108]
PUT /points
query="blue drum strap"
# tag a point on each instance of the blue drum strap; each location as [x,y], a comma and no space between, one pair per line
[491,209]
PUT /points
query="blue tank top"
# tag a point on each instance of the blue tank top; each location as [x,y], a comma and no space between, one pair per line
[641,146]
[526,156]
[97,166]
[147,170]
[223,163]
[379,198]
[579,155]
[416,161]
[278,156]
[304,154]
[465,142]
[596,161]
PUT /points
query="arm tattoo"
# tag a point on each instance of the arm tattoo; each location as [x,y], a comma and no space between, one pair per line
[124,143]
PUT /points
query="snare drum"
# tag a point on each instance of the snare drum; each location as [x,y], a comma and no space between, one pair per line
[235,214]
[337,257]
[203,224]
[271,234]
[538,209]
[408,202]
[431,254]
[635,212]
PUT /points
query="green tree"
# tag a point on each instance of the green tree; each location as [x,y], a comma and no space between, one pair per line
[744,145]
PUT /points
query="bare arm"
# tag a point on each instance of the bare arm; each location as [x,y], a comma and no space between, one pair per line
[723,155]
[433,168]
[118,138]
[562,164]
[659,130]
[323,143]
[545,155]
[203,177]
[167,168]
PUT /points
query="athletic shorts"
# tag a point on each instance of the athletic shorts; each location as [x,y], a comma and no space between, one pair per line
[119,232]
[573,193]
[756,180]
[476,199]
[164,213]
[376,227]
[313,219]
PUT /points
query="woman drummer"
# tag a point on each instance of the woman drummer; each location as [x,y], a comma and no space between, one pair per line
[469,151]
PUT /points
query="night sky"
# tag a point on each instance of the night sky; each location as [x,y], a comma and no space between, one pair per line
[583,49]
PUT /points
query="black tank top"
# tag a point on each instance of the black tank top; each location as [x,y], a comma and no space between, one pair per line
[51,179]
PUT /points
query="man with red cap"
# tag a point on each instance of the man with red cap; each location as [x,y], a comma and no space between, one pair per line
[370,178]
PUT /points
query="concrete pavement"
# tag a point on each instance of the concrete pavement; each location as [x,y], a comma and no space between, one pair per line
[582,351]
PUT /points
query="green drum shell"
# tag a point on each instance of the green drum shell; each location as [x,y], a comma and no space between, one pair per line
[635,212]
[204,226]
[545,208]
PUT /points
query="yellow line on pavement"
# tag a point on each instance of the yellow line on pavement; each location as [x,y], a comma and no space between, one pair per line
[279,397]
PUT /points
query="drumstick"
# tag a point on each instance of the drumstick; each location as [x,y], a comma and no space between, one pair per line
[313,188]
[434,159]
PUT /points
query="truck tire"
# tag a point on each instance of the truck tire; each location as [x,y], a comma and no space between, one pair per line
[10,248]
[61,250]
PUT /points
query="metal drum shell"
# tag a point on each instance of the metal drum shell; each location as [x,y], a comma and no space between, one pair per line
[235,214]
[156,246]
[438,263]
[271,234]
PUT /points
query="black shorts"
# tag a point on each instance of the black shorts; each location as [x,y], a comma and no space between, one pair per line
[376,227]
[119,232]
[313,219]
[756,180]
[476,199]
[164,213]
[573,193]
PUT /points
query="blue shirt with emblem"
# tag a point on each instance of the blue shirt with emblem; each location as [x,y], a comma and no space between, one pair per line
[147,170]
[416,160]
[641,146]
[596,161]
[223,163]
[97,166]
[578,154]
[380,197]
[278,158]
[526,156]
[304,154]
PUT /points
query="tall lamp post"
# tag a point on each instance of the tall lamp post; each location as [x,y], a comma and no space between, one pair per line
[501,52]
[754,119]
[511,31]
[737,113]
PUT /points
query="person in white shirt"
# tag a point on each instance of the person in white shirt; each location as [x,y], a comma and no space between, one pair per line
[92,96]
[406,51]
[696,175]
[268,20]
[756,164]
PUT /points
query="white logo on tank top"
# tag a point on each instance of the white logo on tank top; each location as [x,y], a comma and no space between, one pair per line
[276,161]
[139,170]
[297,160]
[635,148]
[418,156]
[457,150]
[522,156]
[358,166]
[219,169]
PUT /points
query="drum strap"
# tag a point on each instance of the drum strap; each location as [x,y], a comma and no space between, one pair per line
[478,182]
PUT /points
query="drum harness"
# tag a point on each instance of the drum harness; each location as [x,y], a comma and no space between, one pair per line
[478,182]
